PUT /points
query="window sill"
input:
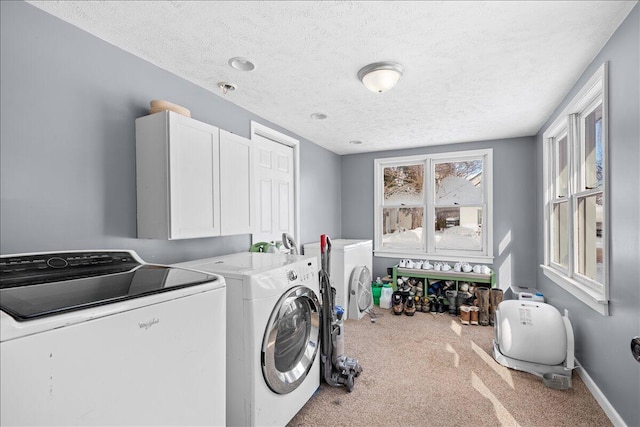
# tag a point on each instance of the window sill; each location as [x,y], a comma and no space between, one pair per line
[591,298]
[475,259]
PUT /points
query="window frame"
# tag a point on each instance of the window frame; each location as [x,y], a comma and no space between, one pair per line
[428,250]
[572,122]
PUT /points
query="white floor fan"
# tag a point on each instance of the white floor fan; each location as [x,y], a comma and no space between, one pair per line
[360,297]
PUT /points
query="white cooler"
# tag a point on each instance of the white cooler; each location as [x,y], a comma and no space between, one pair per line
[346,255]
[527,294]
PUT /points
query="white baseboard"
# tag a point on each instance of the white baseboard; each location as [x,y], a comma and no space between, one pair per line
[602,400]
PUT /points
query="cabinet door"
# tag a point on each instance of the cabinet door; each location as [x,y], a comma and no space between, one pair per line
[236,195]
[194,178]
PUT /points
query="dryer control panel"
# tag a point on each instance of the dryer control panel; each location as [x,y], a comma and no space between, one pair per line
[303,271]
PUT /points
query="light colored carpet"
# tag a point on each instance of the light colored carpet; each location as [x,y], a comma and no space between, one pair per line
[430,370]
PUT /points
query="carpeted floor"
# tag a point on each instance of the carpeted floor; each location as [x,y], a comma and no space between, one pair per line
[430,370]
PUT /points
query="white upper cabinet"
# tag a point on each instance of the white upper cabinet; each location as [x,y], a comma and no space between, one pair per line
[194,180]
[178,177]
[236,184]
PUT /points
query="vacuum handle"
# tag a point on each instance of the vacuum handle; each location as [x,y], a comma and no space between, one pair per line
[325,252]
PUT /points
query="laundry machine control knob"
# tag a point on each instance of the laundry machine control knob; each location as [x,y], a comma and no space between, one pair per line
[292,275]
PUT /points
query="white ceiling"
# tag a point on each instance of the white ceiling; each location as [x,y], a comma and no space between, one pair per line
[473,70]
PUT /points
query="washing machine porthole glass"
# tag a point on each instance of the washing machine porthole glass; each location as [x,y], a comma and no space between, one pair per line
[293,333]
[291,340]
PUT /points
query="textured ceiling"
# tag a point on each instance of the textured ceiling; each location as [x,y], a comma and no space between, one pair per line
[473,70]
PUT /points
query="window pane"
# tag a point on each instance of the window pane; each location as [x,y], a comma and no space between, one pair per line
[589,239]
[459,228]
[593,149]
[459,183]
[562,168]
[404,185]
[560,234]
[402,228]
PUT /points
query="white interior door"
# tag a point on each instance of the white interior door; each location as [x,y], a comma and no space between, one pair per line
[275,189]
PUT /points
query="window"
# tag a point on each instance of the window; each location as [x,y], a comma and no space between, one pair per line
[435,206]
[575,209]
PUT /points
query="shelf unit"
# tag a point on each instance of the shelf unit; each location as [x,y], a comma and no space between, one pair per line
[477,278]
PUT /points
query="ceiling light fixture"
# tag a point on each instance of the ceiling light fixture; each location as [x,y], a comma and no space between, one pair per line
[355,142]
[227,87]
[241,64]
[380,76]
[318,116]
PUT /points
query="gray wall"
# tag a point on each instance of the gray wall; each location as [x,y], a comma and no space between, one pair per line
[514,204]
[602,343]
[67,144]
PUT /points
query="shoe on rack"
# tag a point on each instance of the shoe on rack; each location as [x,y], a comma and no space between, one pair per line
[451,297]
[396,303]
[426,305]
[418,303]
[433,304]
[495,298]
[465,314]
[474,315]
[409,307]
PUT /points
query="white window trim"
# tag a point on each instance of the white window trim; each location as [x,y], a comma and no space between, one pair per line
[429,203]
[597,299]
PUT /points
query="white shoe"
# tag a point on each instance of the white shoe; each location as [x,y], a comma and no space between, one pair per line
[466,267]
[477,268]
[417,265]
[409,263]
[426,265]
[437,266]
[446,267]
[457,267]
[486,270]
[402,263]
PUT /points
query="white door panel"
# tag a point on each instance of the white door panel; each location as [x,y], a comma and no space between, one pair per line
[194,176]
[236,189]
[275,187]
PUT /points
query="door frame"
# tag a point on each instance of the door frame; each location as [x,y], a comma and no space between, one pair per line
[258,129]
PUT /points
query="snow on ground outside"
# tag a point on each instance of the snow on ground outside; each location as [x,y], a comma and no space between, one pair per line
[462,238]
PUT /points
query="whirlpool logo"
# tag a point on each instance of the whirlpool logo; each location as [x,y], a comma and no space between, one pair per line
[148,323]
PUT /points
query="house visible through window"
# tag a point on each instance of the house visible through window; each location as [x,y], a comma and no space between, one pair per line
[436,206]
[575,213]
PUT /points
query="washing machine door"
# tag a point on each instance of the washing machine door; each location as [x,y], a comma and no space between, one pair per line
[291,340]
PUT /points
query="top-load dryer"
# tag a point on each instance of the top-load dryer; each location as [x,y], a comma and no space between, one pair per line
[273,336]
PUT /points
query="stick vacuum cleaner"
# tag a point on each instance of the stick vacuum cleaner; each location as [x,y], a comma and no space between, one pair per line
[337,369]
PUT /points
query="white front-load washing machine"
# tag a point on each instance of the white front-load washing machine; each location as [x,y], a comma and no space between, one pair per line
[273,334]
